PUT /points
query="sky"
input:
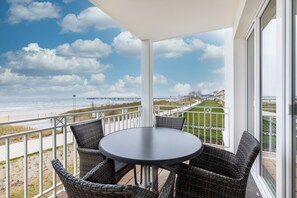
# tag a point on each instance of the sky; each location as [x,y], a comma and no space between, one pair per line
[60,48]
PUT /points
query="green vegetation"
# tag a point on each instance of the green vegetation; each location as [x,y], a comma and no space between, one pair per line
[206,121]
[269,106]
[12,129]
[9,129]
[266,124]
[117,108]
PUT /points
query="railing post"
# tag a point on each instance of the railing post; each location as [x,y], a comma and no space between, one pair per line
[40,163]
[74,151]
[54,153]
[25,166]
[122,119]
[7,168]
[139,116]
[210,125]
[103,122]
[64,128]
[270,133]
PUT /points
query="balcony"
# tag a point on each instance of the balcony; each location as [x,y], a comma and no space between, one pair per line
[25,157]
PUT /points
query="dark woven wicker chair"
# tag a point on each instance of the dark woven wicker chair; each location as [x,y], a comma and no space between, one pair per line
[170,122]
[101,182]
[87,136]
[217,173]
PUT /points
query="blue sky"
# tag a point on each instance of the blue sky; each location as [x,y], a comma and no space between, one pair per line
[60,48]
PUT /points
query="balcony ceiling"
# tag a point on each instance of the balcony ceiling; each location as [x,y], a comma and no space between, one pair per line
[164,19]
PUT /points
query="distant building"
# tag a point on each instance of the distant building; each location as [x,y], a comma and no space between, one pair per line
[208,96]
[220,97]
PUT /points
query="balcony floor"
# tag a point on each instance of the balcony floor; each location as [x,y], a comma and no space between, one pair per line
[251,192]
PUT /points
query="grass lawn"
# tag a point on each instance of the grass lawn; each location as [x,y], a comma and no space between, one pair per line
[206,123]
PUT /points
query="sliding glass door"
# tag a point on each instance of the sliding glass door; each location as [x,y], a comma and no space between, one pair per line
[250,82]
[268,74]
[294,99]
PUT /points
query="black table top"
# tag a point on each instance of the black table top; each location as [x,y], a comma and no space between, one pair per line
[150,146]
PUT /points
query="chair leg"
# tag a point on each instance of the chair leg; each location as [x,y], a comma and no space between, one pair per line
[155,179]
[135,176]
[141,170]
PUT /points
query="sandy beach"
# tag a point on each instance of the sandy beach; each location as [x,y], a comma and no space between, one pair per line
[34,113]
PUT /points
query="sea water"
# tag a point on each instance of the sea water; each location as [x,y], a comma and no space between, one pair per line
[36,107]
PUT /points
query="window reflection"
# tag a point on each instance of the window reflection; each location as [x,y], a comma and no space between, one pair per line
[268,94]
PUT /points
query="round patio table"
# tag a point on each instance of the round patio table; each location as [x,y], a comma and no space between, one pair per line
[150,146]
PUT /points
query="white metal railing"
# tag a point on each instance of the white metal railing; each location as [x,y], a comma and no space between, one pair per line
[269,133]
[50,138]
[52,134]
[210,124]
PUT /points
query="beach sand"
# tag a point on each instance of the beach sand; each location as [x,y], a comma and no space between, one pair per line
[34,113]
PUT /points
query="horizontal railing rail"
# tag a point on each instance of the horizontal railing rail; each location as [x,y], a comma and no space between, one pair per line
[51,135]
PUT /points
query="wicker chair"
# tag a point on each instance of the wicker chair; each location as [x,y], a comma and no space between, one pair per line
[87,136]
[170,122]
[217,173]
[101,182]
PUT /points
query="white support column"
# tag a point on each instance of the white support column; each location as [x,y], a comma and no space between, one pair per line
[239,92]
[228,134]
[147,82]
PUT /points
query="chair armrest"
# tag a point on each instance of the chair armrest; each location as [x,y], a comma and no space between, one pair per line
[88,151]
[171,168]
[168,188]
[103,173]
[89,158]
[217,160]
[197,181]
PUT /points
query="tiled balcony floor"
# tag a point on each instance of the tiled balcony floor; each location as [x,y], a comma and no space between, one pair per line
[251,192]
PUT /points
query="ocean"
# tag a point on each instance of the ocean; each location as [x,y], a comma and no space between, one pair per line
[27,108]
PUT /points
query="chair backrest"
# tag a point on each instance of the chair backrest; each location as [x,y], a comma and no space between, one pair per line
[248,149]
[170,122]
[88,134]
[77,188]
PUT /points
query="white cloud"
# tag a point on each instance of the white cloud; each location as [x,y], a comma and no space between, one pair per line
[160,79]
[213,52]
[181,89]
[85,48]
[37,58]
[7,77]
[67,1]
[207,87]
[128,86]
[172,48]
[97,78]
[91,17]
[126,44]
[220,70]
[66,79]
[29,10]
[18,84]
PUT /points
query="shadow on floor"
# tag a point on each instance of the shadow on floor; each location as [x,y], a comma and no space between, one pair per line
[252,190]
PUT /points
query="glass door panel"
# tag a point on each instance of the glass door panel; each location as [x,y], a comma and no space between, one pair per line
[250,83]
[268,94]
[294,165]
